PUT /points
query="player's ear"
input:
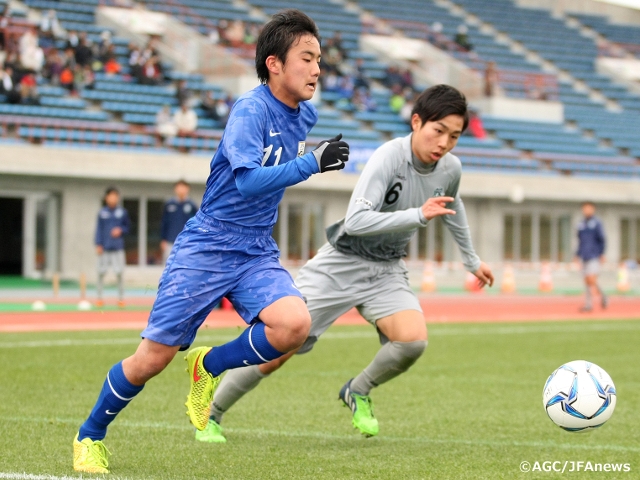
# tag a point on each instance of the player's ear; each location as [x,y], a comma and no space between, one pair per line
[274,65]
[416,122]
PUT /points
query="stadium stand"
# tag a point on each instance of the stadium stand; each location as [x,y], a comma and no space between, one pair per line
[118,112]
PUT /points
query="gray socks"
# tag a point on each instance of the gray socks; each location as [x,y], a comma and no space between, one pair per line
[234,385]
[120,287]
[391,360]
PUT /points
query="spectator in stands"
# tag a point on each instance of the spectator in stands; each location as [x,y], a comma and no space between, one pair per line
[8,86]
[397,100]
[462,38]
[475,128]
[31,55]
[83,52]
[84,78]
[53,66]
[185,120]
[235,33]
[331,57]
[362,100]
[393,77]
[72,40]
[103,46]
[407,80]
[435,35]
[4,23]
[164,123]
[135,61]
[490,79]
[407,108]
[251,34]
[151,73]
[29,89]
[183,94]
[346,86]
[67,79]
[69,58]
[110,62]
[50,26]
[360,79]
[217,110]
[175,215]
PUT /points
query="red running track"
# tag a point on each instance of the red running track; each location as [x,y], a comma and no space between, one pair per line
[437,309]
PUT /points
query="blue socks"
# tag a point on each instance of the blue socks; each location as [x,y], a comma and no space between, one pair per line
[116,394]
[250,348]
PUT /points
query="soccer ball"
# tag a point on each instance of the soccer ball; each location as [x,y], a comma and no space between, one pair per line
[578,396]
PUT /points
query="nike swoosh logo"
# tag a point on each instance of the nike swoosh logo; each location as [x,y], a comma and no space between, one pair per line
[110,413]
[272,133]
[337,164]
[246,363]
[196,377]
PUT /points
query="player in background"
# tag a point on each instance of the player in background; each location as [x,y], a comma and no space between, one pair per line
[175,214]
[227,250]
[591,245]
[406,183]
[113,224]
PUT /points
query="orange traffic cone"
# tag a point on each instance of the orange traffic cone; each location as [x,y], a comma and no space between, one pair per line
[508,280]
[546,279]
[471,283]
[623,285]
[428,279]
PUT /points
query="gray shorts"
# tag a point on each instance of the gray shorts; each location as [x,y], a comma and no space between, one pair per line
[333,283]
[111,259]
[591,267]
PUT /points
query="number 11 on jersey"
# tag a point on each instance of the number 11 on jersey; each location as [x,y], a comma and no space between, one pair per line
[267,154]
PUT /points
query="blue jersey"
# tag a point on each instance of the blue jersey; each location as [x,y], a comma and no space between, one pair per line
[108,219]
[591,239]
[261,132]
[174,216]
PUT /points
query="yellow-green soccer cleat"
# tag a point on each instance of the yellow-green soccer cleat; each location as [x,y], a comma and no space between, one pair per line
[90,456]
[203,384]
[211,434]
[361,407]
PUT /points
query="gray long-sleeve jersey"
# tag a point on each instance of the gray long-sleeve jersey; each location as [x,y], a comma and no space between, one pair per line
[385,207]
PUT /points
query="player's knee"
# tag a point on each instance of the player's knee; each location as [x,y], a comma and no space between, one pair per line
[296,329]
[407,353]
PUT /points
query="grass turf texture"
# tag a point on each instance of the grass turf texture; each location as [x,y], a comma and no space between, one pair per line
[470,408]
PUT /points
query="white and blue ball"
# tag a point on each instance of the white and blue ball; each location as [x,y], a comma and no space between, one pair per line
[579,395]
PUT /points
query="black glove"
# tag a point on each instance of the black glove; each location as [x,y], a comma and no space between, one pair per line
[331,154]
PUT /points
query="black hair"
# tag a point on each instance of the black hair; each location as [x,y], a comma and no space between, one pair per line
[440,101]
[107,192]
[182,182]
[278,35]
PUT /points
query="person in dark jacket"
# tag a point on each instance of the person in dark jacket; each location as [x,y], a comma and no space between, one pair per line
[175,215]
[591,245]
[113,225]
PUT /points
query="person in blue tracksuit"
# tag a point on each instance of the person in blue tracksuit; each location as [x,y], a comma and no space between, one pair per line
[113,224]
[175,214]
[591,246]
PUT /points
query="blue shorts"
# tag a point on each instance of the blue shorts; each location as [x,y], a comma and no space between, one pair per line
[210,260]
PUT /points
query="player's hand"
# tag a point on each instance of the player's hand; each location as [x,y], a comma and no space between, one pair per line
[437,206]
[484,274]
[332,154]
[99,249]
[116,232]
[163,245]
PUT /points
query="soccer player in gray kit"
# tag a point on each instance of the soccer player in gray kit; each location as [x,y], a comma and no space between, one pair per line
[407,182]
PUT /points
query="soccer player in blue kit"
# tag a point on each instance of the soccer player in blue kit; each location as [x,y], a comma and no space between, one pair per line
[227,250]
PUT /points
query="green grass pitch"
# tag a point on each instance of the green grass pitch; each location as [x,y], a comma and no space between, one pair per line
[470,408]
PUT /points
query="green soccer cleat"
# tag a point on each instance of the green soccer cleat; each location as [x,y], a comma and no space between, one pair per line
[203,384]
[362,410]
[211,434]
[90,456]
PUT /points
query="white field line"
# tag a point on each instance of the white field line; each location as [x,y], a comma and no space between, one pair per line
[438,331]
[31,476]
[342,437]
